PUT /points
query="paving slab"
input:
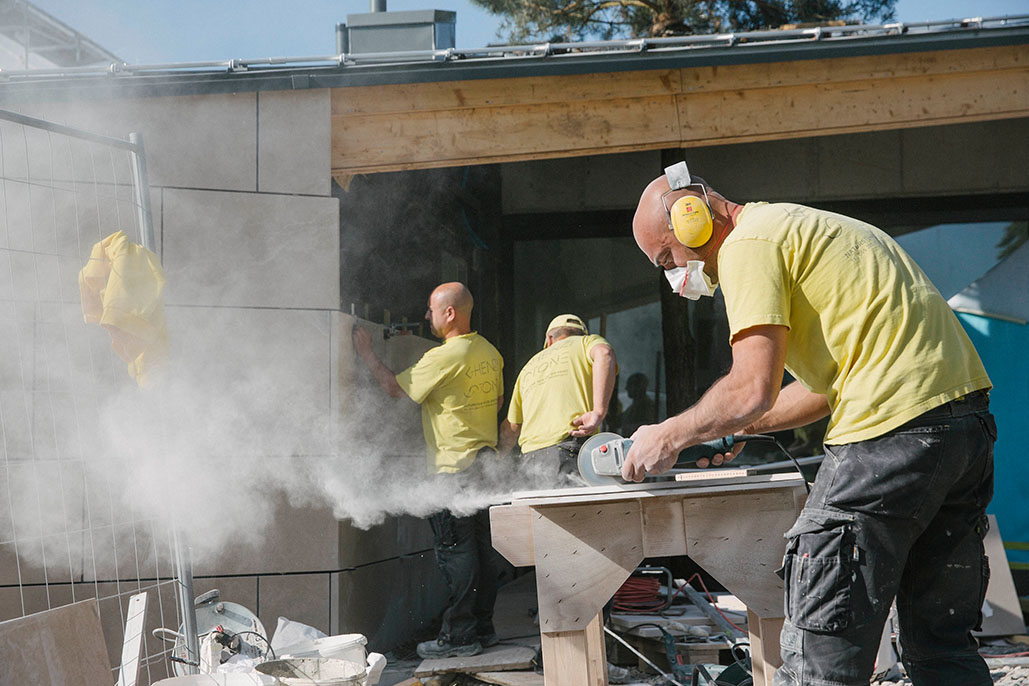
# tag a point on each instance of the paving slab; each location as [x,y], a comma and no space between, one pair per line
[496,659]
[510,678]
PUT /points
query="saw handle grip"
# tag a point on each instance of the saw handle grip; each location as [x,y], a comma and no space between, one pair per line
[718,446]
[708,449]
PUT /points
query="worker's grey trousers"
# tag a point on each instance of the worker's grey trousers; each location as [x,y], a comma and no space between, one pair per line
[901,515]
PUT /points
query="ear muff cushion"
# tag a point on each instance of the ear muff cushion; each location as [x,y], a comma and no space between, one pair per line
[691,221]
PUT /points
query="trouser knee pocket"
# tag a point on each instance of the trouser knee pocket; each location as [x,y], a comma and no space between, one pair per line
[818,571]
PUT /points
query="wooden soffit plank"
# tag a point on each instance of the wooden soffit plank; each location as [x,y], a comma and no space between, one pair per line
[454,95]
[571,128]
[856,106]
[416,126]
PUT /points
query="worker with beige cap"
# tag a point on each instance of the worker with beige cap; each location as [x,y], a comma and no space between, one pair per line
[560,398]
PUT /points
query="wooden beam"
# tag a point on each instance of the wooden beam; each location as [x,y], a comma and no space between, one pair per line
[844,69]
[459,134]
[443,124]
[764,641]
[455,95]
[575,657]
[820,109]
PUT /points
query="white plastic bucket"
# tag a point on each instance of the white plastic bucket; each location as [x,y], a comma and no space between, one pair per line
[342,647]
[314,671]
[219,680]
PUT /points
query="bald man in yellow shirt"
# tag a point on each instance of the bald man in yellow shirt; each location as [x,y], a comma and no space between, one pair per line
[898,509]
[459,386]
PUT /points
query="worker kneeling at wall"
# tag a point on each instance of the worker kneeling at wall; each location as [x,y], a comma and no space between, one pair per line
[898,506]
[560,398]
[459,386]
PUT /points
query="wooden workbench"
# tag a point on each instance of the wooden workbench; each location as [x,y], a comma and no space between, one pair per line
[585,542]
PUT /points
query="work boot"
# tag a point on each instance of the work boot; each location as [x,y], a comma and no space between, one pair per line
[442,647]
[617,675]
[489,640]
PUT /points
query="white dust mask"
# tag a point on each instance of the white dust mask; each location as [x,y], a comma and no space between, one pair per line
[690,281]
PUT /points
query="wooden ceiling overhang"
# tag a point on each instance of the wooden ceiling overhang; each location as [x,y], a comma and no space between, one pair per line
[405,126]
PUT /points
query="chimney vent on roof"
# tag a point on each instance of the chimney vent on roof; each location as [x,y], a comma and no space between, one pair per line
[400,31]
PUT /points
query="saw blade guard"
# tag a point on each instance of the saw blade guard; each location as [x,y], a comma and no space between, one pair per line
[600,459]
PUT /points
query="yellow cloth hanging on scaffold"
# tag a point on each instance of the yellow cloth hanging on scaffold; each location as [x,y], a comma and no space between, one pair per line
[121,288]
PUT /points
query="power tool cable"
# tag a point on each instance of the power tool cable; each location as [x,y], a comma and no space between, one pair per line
[766,438]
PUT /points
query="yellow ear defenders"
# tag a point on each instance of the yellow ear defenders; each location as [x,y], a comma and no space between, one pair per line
[689,217]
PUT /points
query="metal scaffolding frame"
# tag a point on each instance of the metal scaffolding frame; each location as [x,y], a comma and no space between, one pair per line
[101,184]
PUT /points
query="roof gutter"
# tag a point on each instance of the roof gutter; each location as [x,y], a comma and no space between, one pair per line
[546,59]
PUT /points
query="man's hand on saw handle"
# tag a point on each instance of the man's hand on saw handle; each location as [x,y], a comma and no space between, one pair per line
[717,460]
[653,451]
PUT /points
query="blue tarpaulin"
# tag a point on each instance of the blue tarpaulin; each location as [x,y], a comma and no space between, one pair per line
[994,310]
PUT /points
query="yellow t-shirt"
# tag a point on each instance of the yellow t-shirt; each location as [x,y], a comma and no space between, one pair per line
[866,326]
[458,385]
[554,387]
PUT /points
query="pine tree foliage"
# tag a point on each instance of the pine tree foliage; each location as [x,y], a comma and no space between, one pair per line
[567,20]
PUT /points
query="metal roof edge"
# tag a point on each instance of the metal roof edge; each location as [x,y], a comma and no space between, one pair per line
[278,78]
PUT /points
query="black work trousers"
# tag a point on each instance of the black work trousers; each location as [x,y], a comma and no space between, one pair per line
[899,516]
[464,553]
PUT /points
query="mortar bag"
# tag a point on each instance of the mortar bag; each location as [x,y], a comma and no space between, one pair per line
[122,287]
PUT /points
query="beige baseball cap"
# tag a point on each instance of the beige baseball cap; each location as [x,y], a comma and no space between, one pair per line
[565,320]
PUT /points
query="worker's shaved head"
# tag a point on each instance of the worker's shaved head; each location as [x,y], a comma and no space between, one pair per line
[650,218]
[453,294]
[450,309]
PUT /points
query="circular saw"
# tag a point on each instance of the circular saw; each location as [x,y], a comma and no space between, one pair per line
[602,455]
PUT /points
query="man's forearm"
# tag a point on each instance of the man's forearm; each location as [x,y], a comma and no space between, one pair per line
[508,435]
[603,380]
[383,376]
[741,397]
[796,406]
[724,409]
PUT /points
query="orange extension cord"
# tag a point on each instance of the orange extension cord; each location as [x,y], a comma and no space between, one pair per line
[639,595]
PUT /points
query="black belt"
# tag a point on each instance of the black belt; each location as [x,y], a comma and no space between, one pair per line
[976,401]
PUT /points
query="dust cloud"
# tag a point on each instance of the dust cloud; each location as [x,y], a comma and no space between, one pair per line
[261,401]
